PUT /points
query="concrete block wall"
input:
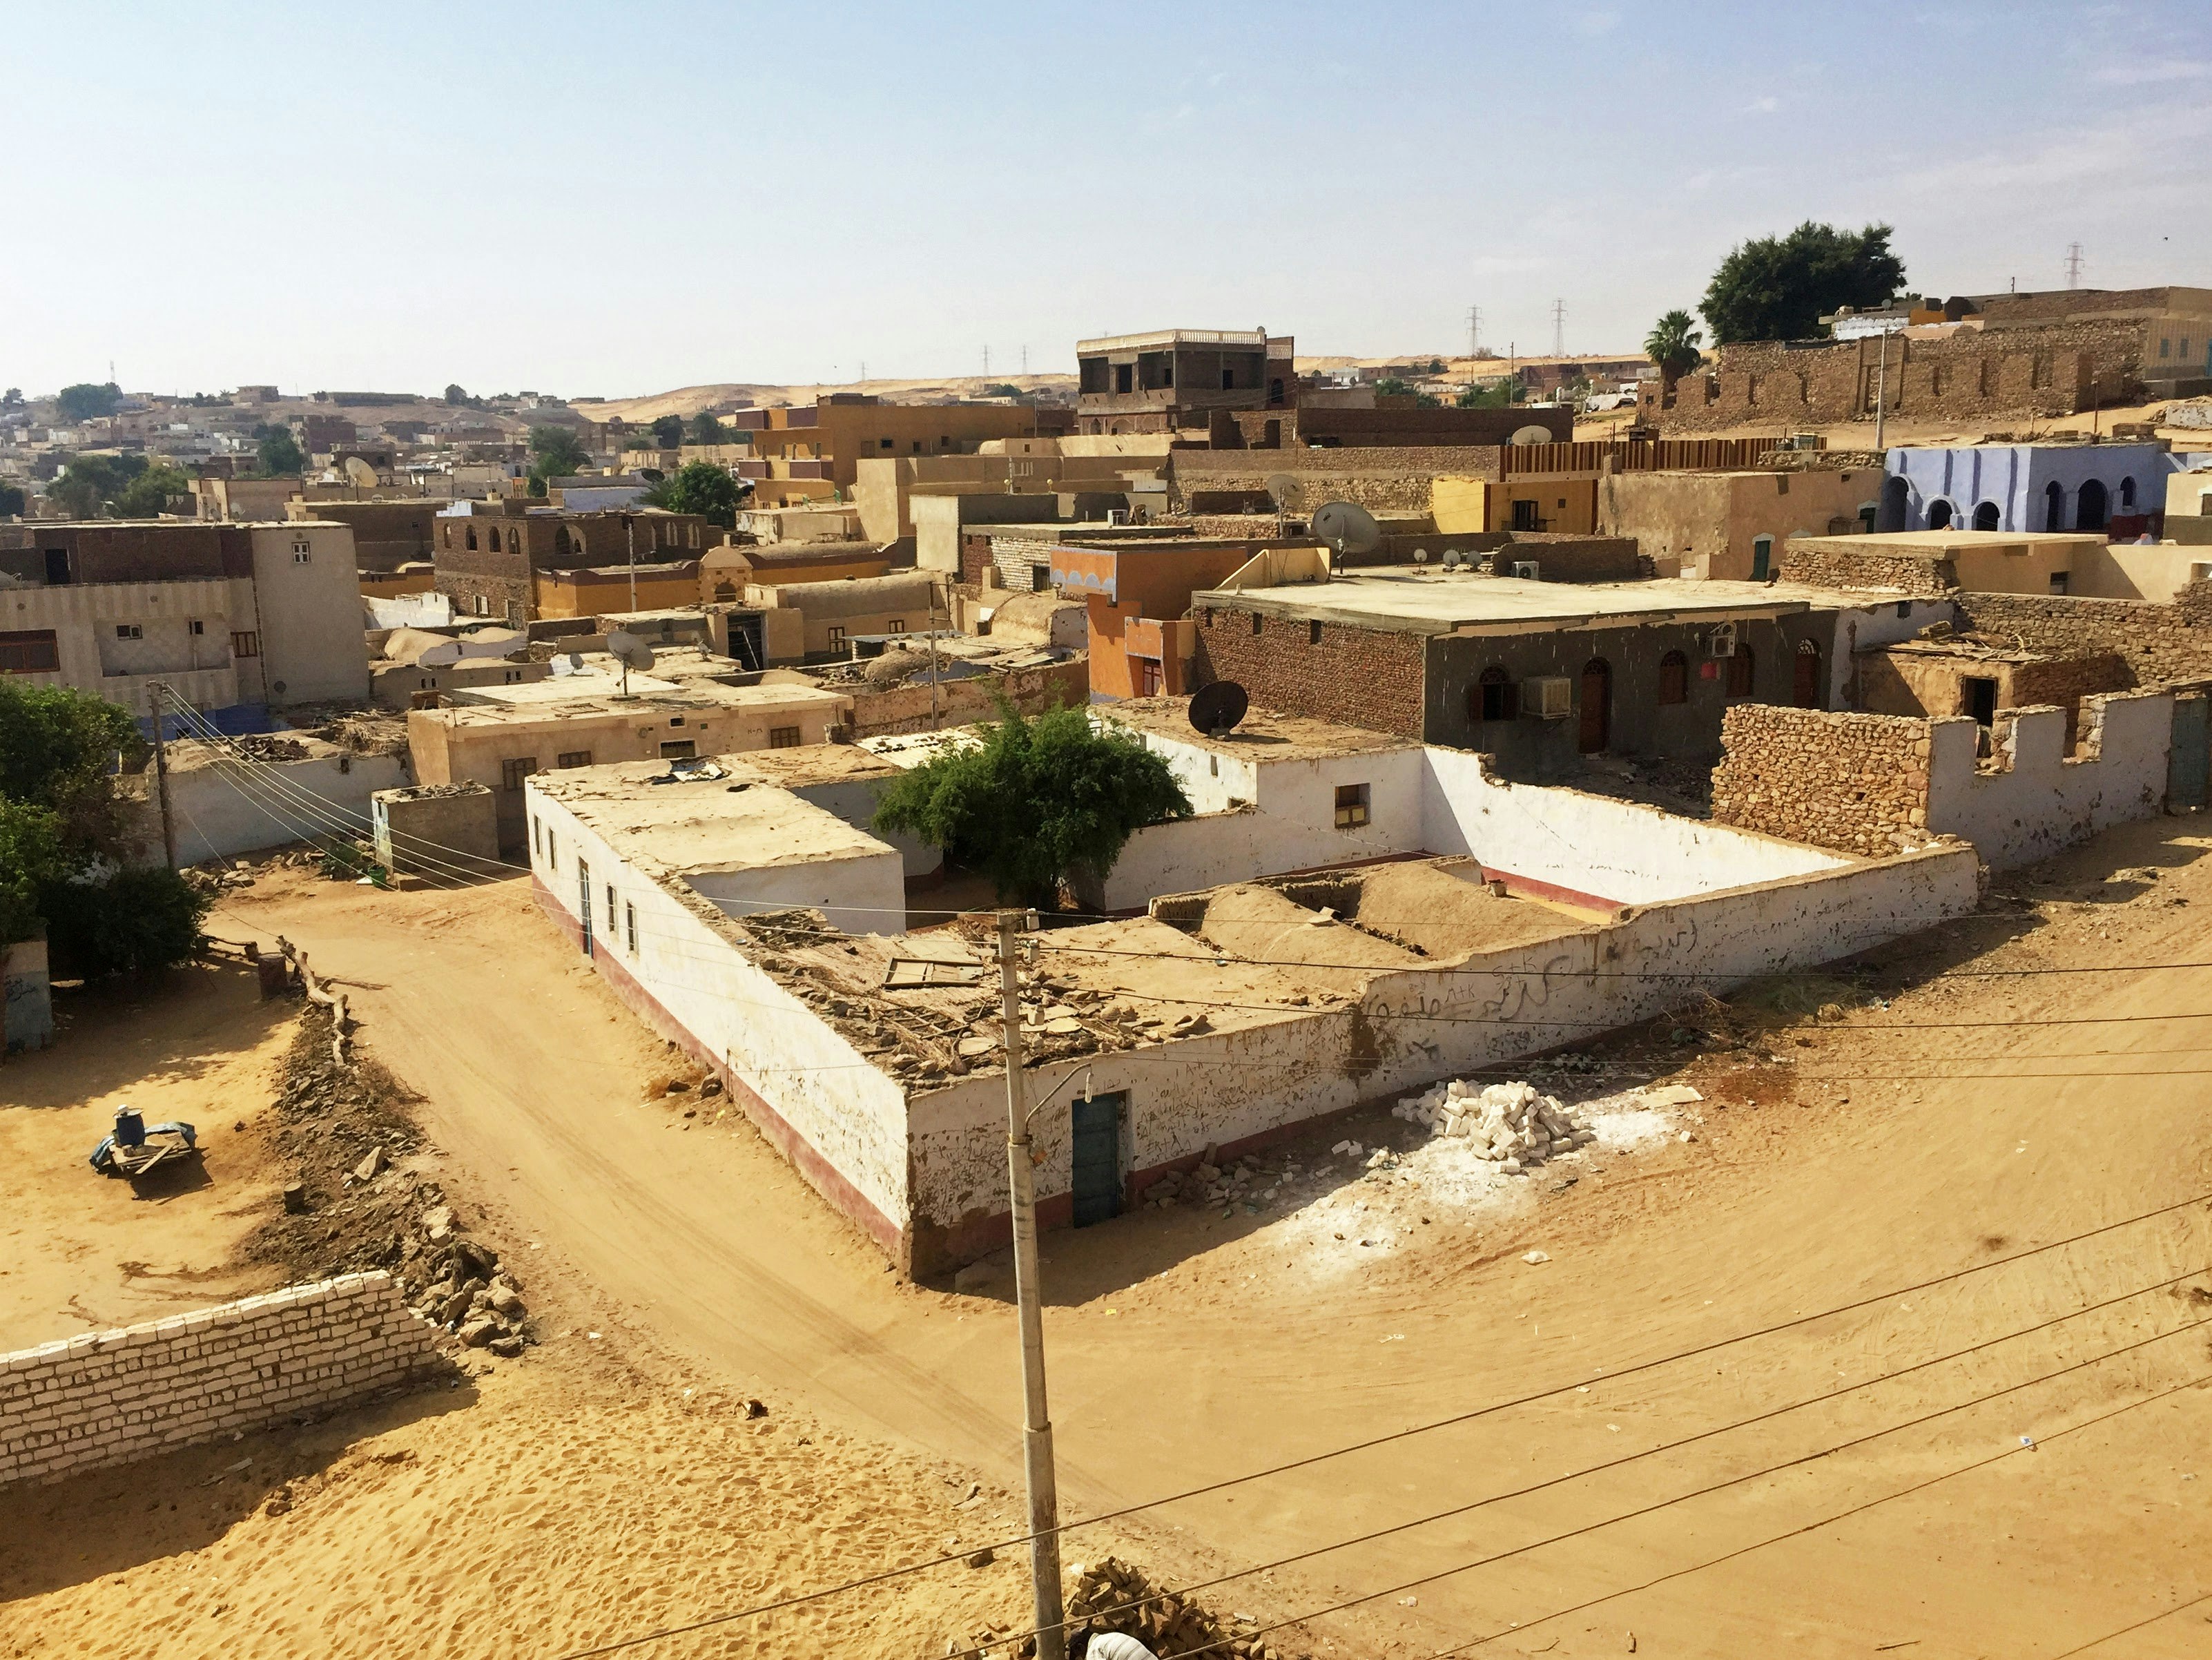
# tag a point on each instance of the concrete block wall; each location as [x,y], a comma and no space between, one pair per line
[109,1397]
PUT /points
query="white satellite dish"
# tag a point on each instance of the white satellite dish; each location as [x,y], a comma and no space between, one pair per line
[1348,528]
[1533,434]
[632,652]
[438,656]
[359,473]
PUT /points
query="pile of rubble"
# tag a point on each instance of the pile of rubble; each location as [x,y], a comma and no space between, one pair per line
[1512,1125]
[1245,1182]
[471,1295]
[1111,1596]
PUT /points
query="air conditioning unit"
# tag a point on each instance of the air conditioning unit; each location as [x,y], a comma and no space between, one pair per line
[1721,642]
[1526,570]
[1548,697]
[1117,515]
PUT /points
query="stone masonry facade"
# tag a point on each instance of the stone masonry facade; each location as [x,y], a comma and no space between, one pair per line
[1965,375]
[2158,643]
[110,1397]
[1832,566]
[1856,783]
[1370,677]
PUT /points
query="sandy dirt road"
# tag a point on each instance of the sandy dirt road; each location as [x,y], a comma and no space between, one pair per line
[1896,1148]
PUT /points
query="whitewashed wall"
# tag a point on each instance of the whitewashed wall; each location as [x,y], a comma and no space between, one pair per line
[2036,800]
[219,811]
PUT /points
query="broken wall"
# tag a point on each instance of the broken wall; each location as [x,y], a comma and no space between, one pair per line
[2034,799]
[1857,783]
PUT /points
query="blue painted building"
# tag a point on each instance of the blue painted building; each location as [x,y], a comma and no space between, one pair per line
[2118,489]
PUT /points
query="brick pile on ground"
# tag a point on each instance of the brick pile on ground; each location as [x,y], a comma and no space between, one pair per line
[1111,1596]
[1515,1126]
[1241,1180]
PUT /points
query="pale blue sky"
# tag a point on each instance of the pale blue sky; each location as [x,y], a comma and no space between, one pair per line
[619,199]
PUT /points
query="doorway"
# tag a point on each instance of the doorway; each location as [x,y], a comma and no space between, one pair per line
[1981,697]
[1597,706]
[1762,557]
[1805,677]
[1986,516]
[1096,1127]
[584,903]
[1939,514]
[2089,508]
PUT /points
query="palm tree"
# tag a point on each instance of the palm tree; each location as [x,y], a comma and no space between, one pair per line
[1675,345]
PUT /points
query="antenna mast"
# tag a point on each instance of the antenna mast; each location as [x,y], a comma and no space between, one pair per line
[2073,265]
[1558,328]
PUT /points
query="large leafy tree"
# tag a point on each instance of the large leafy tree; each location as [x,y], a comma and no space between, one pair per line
[1778,288]
[1675,344]
[85,400]
[278,452]
[90,484]
[66,843]
[702,488]
[146,496]
[554,452]
[1038,800]
[668,430]
[704,428]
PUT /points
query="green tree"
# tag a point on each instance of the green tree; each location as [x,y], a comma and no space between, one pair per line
[705,429]
[279,453]
[1002,389]
[1777,288]
[146,496]
[85,401]
[1496,395]
[456,394]
[1391,386]
[1675,345]
[90,483]
[702,488]
[12,398]
[667,430]
[1039,800]
[12,501]
[554,452]
[66,843]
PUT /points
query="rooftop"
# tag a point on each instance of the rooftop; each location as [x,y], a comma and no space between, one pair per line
[1262,735]
[719,819]
[1939,543]
[568,697]
[1422,599]
[1255,339]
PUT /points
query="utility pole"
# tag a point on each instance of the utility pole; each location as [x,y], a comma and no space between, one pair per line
[1037,1425]
[986,362]
[2073,265]
[1558,328]
[630,529]
[1473,330]
[932,656]
[154,691]
[1881,388]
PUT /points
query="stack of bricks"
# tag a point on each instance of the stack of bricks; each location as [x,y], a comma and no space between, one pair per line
[1857,783]
[111,1397]
[2158,642]
[1825,565]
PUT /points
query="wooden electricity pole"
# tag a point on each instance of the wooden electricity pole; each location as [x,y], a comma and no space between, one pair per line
[1036,1424]
[162,776]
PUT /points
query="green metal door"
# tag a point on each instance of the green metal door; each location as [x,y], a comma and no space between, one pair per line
[1096,1125]
[2189,763]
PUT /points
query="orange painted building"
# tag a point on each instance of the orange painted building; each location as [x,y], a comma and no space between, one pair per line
[1139,596]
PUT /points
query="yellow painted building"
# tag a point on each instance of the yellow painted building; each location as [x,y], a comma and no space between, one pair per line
[1560,504]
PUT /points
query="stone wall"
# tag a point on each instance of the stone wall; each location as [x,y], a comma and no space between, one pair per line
[1966,375]
[2157,642]
[1857,783]
[1827,564]
[1371,677]
[1394,480]
[110,1397]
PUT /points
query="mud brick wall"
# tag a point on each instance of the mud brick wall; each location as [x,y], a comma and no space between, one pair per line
[1973,373]
[2157,643]
[1383,480]
[1836,568]
[1857,783]
[1370,677]
[110,1397]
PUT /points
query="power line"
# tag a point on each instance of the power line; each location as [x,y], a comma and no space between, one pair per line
[1633,1369]
[2099,1642]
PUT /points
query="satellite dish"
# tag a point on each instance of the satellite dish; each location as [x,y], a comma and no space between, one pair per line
[568,663]
[436,657]
[359,473]
[1217,708]
[1285,491]
[1533,434]
[630,651]
[1420,555]
[1451,559]
[1348,528]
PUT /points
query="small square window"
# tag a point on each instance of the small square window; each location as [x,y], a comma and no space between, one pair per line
[897,625]
[197,627]
[783,737]
[130,631]
[836,639]
[573,759]
[245,645]
[1350,806]
[512,773]
[678,749]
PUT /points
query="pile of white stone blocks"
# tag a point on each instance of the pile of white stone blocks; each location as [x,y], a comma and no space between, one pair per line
[109,1397]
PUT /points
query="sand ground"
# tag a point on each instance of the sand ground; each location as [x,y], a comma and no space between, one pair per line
[1911,1139]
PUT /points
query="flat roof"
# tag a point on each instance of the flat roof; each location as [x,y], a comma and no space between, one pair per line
[1930,543]
[1253,338]
[695,826]
[1262,735]
[1423,599]
[568,695]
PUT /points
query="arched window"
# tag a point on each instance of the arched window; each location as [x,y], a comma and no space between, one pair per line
[1805,680]
[2054,505]
[1986,516]
[560,542]
[1493,696]
[726,593]
[1673,678]
[2128,493]
[1939,514]
[472,536]
[1740,672]
[2089,507]
[494,539]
